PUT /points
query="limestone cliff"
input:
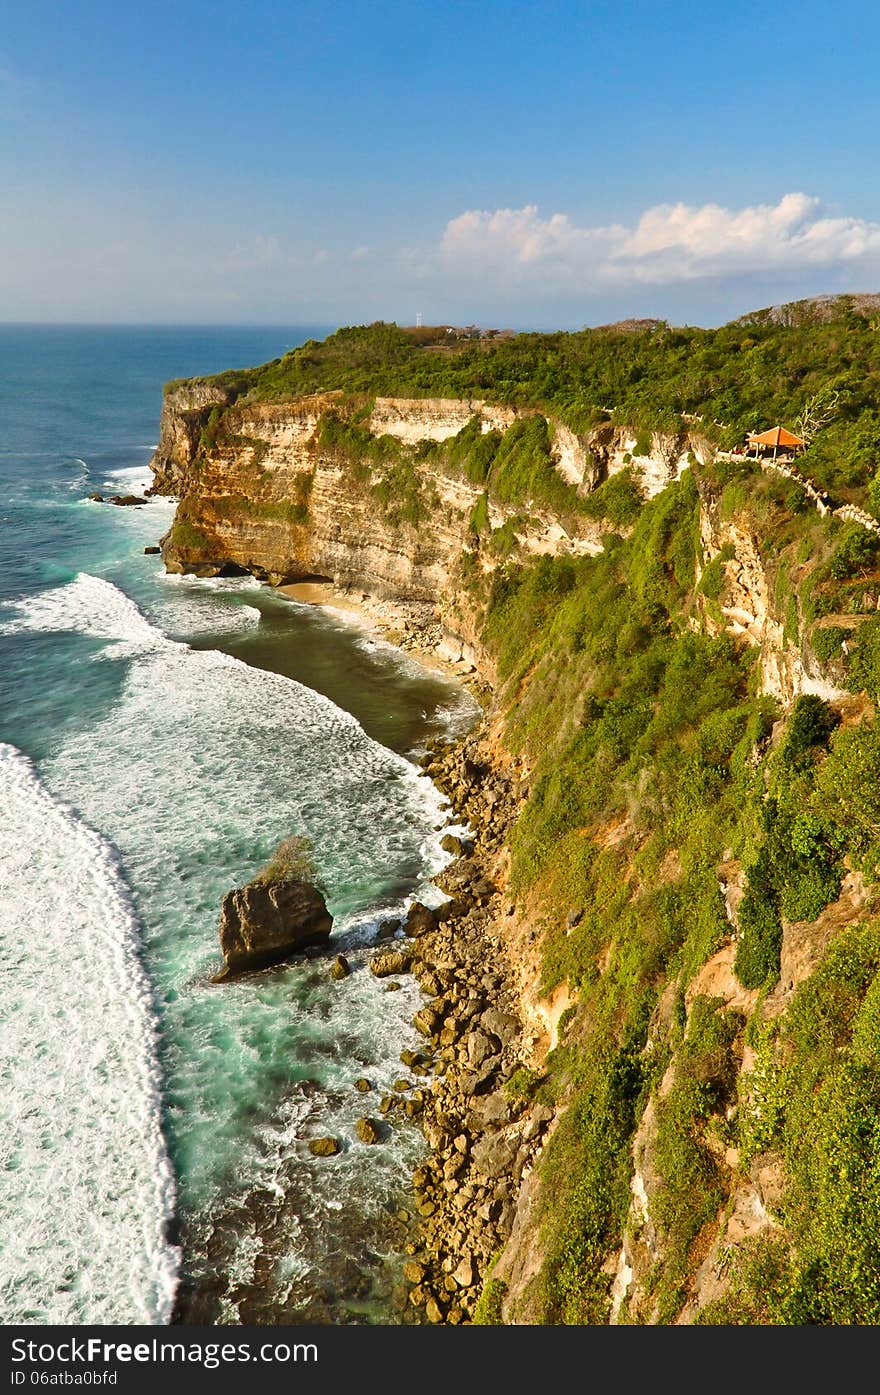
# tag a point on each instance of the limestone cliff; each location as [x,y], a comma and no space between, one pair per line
[261,491]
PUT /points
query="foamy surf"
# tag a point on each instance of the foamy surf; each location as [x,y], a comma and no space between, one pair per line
[194,772]
[88,1189]
[133,478]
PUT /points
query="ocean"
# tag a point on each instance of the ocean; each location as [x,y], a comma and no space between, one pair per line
[158,737]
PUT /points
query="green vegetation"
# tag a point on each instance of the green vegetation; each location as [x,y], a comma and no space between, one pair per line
[691,1177]
[816,1103]
[618,499]
[479,520]
[185,534]
[654,758]
[487,1312]
[292,861]
[827,642]
[523,472]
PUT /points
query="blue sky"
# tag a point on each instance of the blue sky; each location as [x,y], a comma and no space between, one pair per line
[553,163]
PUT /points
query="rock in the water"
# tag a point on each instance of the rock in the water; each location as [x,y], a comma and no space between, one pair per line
[414,1272]
[152,551]
[390,961]
[126,500]
[324,1147]
[419,919]
[362,1085]
[97,498]
[265,922]
[340,968]
[449,843]
[388,929]
[368,1131]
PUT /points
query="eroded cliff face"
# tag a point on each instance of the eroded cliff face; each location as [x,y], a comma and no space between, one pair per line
[260,491]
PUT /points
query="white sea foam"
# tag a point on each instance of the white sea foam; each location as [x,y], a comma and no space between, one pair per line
[87,1187]
[198,584]
[88,606]
[133,478]
[82,473]
[195,772]
[194,609]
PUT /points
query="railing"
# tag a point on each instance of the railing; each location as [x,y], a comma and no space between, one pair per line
[851,513]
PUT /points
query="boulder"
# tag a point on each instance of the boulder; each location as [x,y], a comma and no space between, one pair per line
[481,1045]
[433,1311]
[368,1131]
[340,968]
[362,1085]
[97,498]
[390,961]
[419,919]
[388,929]
[266,922]
[428,983]
[449,843]
[501,1024]
[152,551]
[451,910]
[494,1154]
[427,1021]
[126,500]
[324,1147]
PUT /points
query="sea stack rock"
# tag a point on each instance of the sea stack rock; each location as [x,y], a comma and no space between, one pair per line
[266,922]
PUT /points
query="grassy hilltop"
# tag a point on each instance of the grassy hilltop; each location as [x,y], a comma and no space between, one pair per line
[746,375]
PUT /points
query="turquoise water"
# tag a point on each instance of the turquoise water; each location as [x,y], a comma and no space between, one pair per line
[159,736]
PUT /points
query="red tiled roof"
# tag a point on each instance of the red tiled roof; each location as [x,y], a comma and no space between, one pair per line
[776,436]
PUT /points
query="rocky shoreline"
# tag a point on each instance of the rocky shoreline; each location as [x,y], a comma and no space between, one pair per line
[483,1133]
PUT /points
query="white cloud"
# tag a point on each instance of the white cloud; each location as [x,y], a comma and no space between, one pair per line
[669,243]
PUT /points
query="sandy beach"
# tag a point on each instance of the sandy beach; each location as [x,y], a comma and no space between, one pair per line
[391,621]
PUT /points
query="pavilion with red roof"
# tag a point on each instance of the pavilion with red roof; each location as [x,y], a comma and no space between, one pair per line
[776,439]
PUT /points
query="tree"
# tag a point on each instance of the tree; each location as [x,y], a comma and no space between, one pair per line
[818,411]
